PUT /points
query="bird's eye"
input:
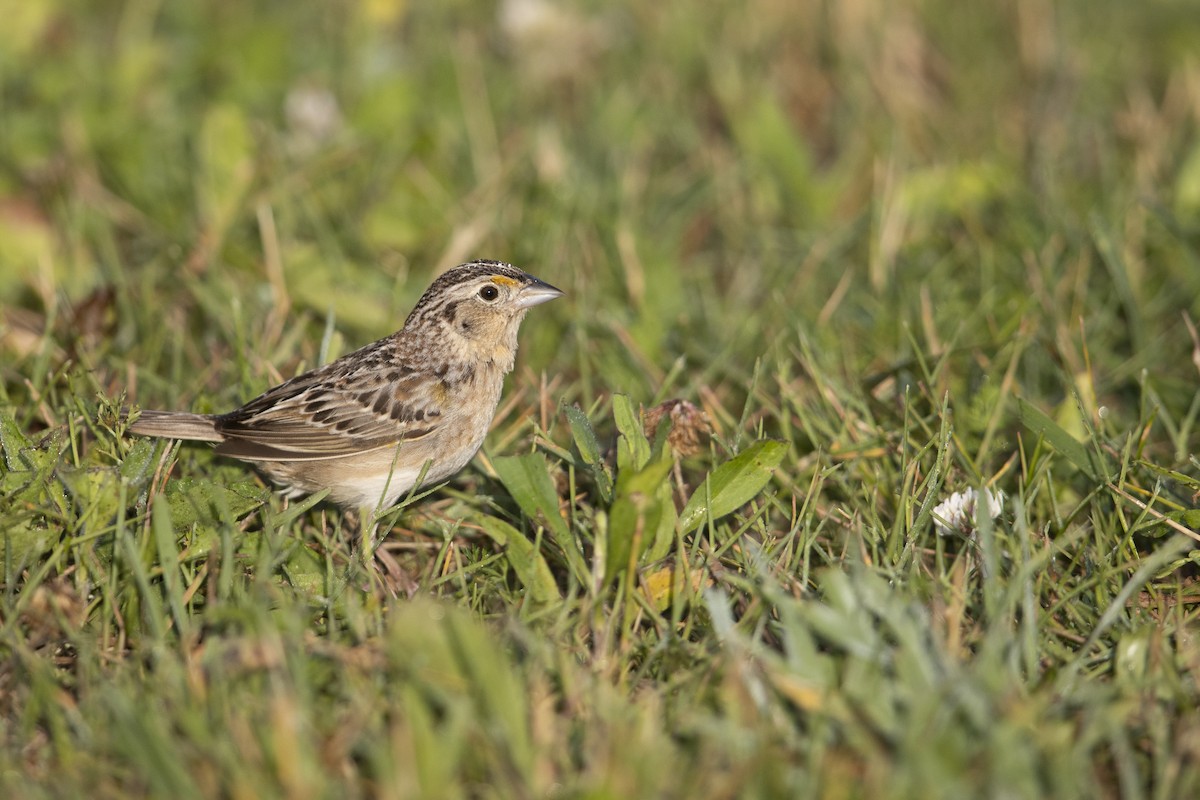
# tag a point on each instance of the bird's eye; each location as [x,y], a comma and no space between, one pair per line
[489,293]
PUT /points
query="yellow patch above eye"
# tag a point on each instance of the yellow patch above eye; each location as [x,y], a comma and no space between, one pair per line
[504,280]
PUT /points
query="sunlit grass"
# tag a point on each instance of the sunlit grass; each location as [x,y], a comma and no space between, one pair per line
[886,252]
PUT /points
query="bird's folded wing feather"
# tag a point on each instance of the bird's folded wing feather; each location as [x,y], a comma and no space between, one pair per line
[301,420]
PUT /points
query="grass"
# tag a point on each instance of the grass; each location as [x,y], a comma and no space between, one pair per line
[889,251]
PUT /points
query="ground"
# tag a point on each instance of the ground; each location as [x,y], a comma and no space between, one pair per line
[827,265]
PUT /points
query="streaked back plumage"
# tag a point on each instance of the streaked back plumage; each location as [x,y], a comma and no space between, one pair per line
[420,399]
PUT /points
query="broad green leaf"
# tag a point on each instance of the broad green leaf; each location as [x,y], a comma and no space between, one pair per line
[585,436]
[589,450]
[663,526]
[21,542]
[29,468]
[644,521]
[644,481]
[622,531]
[96,494]
[1039,424]
[532,570]
[637,517]
[38,459]
[633,448]
[12,442]
[138,464]
[527,479]
[205,502]
[733,484]
[305,571]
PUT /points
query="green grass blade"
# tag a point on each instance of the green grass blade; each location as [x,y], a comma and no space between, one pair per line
[1038,423]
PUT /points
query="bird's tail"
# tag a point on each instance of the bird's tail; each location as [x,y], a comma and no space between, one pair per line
[177,425]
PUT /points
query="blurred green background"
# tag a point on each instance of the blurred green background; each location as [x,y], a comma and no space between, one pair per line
[926,245]
[701,180]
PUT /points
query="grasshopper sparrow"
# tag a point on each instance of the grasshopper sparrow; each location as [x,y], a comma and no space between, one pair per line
[414,406]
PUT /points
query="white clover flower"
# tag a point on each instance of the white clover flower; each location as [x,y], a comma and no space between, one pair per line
[314,118]
[957,513]
[551,41]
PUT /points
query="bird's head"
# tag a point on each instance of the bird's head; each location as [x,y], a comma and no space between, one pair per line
[480,306]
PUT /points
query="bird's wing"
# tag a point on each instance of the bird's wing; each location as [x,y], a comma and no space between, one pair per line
[320,416]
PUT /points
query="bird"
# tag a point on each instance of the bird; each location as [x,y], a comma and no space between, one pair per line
[402,413]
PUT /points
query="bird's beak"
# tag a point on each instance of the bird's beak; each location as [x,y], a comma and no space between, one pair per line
[535,293]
